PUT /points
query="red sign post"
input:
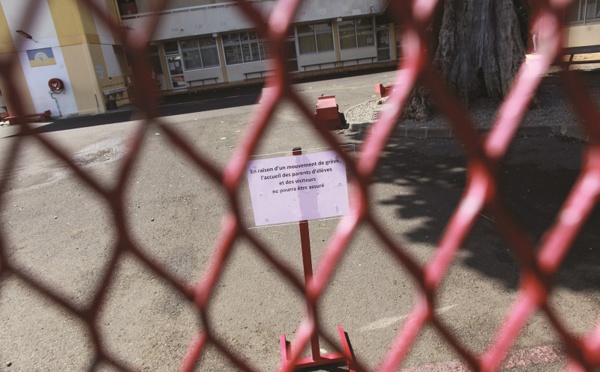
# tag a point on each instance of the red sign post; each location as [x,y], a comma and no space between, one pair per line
[316,359]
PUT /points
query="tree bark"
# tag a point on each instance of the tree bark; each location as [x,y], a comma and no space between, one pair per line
[479,47]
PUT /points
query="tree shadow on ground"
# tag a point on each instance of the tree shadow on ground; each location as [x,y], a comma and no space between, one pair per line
[534,181]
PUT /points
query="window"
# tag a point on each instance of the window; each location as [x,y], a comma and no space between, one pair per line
[315,38]
[582,11]
[209,52]
[171,47]
[196,53]
[191,54]
[199,53]
[244,47]
[347,34]
[356,33]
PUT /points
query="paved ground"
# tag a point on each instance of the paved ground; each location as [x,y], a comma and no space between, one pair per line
[58,231]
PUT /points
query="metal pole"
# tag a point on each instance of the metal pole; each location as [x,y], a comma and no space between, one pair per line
[308,274]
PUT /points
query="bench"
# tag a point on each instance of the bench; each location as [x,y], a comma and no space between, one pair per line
[44,116]
[260,74]
[571,51]
[203,80]
[320,65]
[111,97]
[110,92]
[357,60]
[341,63]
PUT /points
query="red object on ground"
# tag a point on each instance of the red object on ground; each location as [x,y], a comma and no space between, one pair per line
[383,91]
[328,114]
[44,116]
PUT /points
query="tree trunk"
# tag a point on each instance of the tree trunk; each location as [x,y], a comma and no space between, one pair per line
[479,47]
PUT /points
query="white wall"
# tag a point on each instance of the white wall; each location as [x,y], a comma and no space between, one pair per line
[38,24]
[364,52]
[37,81]
[314,58]
[201,21]
[41,27]
[204,73]
[236,72]
[113,68]
[145,6]
[227,17]
[312,10]
[104,32]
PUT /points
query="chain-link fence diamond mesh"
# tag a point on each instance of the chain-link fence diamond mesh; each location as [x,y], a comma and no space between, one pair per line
[88,310]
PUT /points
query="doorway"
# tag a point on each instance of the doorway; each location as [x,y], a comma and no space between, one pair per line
[176,71]
[383,43]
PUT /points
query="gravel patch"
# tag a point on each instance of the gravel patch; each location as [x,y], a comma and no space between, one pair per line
[552,110]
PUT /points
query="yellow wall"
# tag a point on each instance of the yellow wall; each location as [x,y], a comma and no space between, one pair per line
[393,42]
[73,22]
[336,41]
[82,77]
[80,44]
[6,41]
[8,51]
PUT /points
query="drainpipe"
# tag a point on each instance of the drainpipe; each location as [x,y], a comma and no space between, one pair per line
[56,101]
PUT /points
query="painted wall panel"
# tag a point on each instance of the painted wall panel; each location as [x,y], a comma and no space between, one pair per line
[311,59]
[145,6]
[313,10]
[236,72]
[113,68]
[37,82]
[84,83]
[68,25]
[202,21]
[38,24]
[7,44]
[346,54]
[222,18]
[204,74]
[104,33]
[584,35]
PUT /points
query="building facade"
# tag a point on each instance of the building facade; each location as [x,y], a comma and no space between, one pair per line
[583,26]
[199,44]
[62,40]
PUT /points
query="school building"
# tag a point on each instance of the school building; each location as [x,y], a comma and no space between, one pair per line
[199,44]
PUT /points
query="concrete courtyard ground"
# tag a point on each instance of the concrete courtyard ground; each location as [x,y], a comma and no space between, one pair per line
[56,230]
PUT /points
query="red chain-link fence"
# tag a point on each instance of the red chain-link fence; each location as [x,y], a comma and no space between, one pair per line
[538,265]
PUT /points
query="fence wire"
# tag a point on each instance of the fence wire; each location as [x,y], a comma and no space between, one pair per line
[539,265]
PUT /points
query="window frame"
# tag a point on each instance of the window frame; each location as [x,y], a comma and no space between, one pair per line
[313,34]
[198,45]
[357,32]
[194,45]
[244,47]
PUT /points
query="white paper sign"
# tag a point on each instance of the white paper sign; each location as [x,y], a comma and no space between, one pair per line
[297,188]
